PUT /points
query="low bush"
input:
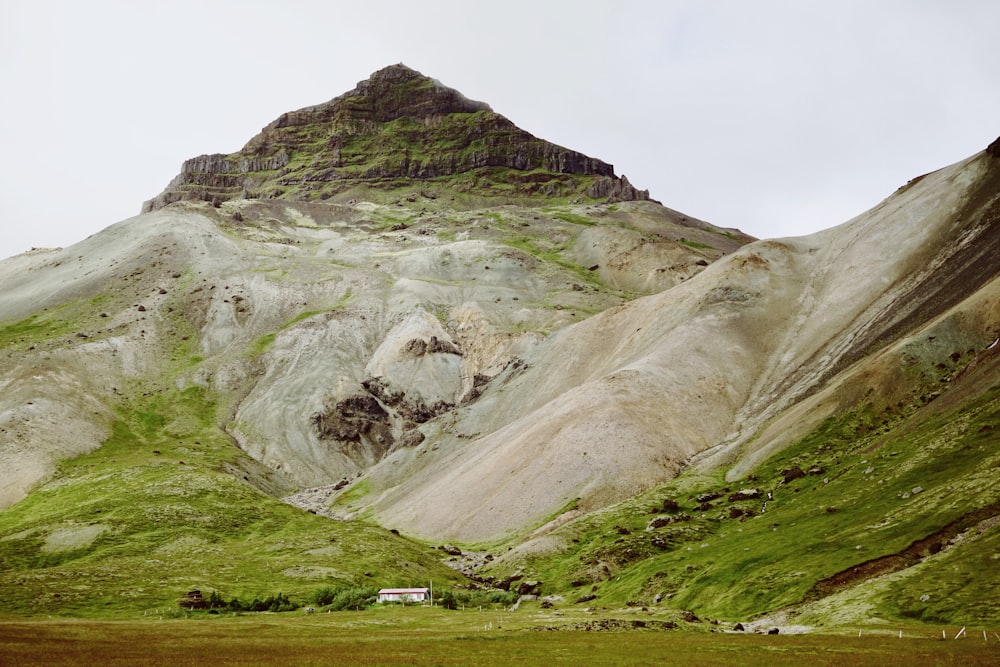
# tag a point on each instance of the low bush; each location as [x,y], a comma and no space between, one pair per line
[275,603]
[338,599]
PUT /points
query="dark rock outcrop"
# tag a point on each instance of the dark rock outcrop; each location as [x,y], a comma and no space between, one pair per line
[416,411]
[792,474]
[356,421]
[994,149]
[744,494]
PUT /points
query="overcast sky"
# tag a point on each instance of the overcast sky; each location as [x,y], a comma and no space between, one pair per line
[776,117]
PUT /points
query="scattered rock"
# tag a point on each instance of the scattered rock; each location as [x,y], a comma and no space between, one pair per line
[792,474]
[450,549]
[611,625]
[529,587]
[658,522]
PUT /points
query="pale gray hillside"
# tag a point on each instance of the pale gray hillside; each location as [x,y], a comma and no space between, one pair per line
[283,311]
[766,337]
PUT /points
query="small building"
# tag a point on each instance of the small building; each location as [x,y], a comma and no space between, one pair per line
[404,595]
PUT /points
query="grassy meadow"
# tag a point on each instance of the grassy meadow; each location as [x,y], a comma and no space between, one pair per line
[425,636]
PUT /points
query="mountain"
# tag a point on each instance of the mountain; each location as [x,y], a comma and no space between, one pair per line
[398,311]
[394,128]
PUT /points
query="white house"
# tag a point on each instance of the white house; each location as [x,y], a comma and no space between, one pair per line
[403,595]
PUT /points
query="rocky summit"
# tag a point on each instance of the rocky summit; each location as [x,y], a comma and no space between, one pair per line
[395,128]
[394,320]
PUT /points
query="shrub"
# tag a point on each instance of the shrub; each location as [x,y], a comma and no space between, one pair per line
[480,598]
[354,598]
[338,599]
[279,602]
[323,596]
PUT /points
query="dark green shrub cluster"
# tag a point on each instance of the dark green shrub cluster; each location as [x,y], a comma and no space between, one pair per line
[459,598]
[338,599]
[279,602]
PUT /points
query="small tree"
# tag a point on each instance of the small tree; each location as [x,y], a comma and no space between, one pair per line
[448,600]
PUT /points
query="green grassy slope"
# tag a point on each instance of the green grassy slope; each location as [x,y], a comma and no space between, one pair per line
[918,501]
[152,514]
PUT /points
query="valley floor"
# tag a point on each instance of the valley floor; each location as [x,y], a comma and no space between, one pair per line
[422,636]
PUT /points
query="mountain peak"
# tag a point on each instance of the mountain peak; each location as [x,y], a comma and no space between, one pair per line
[393,129]
[397,91]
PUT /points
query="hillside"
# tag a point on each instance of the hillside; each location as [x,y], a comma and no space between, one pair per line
[400,312]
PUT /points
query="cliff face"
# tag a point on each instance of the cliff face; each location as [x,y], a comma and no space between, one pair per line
[397,127]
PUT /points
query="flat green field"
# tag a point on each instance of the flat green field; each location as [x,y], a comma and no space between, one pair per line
[421,636]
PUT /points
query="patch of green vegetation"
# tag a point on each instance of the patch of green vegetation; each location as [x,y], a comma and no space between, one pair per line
[384,221]
[31,329]
[355,492]
[553,255]
[262,344]
[574,218]
[846,494]
[950,586]
[51,323]
[694,244]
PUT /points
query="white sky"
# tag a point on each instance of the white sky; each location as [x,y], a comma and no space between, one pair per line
[776,117]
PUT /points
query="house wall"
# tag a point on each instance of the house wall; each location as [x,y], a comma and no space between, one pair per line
[402,597]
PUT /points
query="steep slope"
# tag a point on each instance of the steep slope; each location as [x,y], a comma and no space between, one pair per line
[872,491]
[608,407]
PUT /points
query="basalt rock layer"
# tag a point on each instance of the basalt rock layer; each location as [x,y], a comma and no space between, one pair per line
[396,127]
